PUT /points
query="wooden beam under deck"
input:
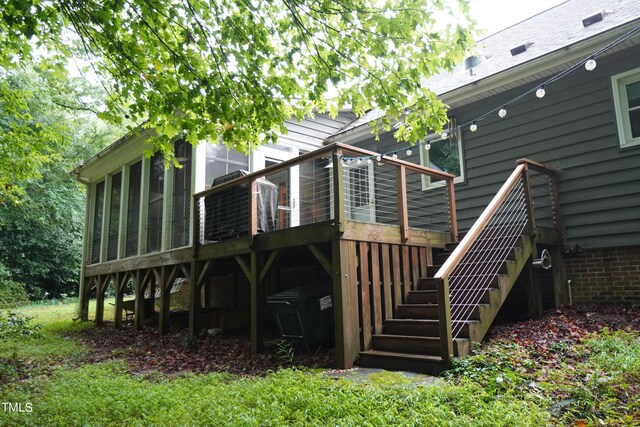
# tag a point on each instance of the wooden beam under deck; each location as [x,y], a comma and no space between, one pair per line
[382,249]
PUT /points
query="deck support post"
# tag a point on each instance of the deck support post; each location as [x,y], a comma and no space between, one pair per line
[560,290]
[257,296]
[120,282]
[194,301]
[535,288]
[85,288]
[139,285]
[345,302]
[444,319]
[100,291]
[165,300]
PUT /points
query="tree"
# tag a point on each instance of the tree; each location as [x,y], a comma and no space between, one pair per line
[236,69]
[41,232]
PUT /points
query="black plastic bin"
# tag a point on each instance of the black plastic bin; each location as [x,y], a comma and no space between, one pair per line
[304,313]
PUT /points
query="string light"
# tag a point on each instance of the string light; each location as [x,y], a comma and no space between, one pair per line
[589,64]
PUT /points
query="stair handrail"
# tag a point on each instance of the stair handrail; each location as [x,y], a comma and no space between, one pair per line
[477,228]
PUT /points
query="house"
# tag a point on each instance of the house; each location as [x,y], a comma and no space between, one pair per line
[539,166]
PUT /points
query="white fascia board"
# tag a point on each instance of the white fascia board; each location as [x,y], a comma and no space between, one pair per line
[112,158]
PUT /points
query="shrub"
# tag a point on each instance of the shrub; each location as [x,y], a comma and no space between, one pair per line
[17,326]
[12,294]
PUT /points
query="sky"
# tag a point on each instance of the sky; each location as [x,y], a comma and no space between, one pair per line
[495,15]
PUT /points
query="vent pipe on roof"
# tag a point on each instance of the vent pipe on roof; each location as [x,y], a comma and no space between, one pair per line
[590,20]
[519,49]
[470,62]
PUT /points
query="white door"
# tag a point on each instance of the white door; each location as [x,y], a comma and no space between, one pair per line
[360,188]
[287,181]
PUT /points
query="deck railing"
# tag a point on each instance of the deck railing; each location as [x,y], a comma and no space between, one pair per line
[475,263]
[336,183]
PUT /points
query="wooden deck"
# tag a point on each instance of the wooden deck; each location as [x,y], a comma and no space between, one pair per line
[327,236]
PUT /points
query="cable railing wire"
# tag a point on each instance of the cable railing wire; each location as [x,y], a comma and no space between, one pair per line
[487,256]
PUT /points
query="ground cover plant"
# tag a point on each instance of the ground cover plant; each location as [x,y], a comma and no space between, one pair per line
[573,367]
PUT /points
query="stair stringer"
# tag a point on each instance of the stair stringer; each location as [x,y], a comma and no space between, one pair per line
[488,312]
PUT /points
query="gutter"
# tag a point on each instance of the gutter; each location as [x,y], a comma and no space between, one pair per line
[538,65]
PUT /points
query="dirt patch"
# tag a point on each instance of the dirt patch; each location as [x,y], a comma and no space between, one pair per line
[146,351]
[568,324]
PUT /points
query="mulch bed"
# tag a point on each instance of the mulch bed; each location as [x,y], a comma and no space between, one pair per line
[146,351]
[567,324]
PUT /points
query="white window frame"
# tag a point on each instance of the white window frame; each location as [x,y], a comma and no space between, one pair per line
[618,83]
[424,161]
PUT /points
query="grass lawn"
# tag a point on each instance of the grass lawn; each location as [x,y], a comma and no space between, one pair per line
[597,381]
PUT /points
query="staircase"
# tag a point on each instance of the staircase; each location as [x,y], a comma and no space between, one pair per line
[412,341]
[458,300]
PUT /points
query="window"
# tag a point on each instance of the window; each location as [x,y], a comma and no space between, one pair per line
[181,212]
[114,217]
[221,161]
[155,203]
[96,239]
[133,209]
[626,96]
[444,155]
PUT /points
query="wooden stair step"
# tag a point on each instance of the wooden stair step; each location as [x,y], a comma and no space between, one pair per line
[416,327]
[422,297]
[427,284]
[422,327]
[417,311]
[393,361]
[407,344]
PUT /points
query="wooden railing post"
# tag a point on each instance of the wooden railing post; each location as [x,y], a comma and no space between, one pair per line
[338,191]
[526,185]
[453,214]
[253,208]
[444,319]
[195,218]
[403,214]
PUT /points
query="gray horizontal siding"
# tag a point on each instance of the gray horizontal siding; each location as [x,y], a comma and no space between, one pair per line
[573,129]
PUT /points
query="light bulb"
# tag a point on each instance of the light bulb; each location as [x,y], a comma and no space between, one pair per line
[349,161]
[502,113]
[379,157]
[409,152]
[427,146]
[590,65]
[473,127]
[359,161]
[369,161]
[444,135]
[540,92]
[395,155]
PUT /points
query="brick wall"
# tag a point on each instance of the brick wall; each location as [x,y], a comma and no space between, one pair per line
[609,275]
